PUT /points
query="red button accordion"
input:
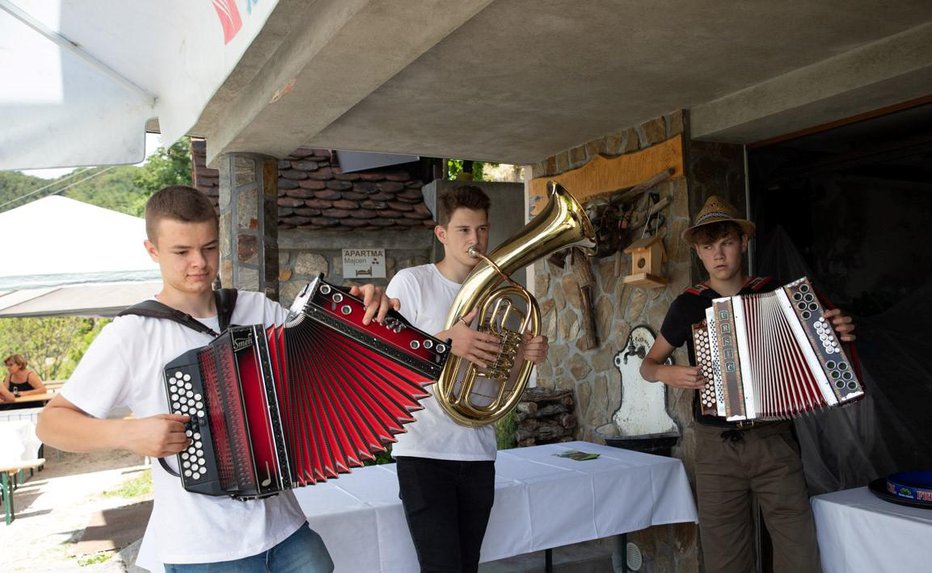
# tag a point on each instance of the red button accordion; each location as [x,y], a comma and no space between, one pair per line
[771,356]
[273,408]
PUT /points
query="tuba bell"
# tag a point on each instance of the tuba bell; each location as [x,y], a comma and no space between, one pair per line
[475,396]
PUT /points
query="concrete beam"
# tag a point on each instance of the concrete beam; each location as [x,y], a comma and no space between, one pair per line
[335,52]
[895,69]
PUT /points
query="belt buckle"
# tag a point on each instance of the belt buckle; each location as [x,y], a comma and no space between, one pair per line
[745,424]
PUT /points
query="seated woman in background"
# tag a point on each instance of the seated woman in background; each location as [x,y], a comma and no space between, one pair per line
[19,380]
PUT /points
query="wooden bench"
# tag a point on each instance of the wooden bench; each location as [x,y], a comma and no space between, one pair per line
[9,480]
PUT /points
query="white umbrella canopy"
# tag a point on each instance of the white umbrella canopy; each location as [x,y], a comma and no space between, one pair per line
[65,257]
[82,77]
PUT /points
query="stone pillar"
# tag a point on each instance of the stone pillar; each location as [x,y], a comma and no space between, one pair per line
[249,223]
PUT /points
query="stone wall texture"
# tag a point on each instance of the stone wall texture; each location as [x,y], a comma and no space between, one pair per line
[590,373]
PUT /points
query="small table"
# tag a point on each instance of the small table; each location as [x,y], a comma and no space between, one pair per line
[29,398]
[19,447]
[541,501]
[858,531]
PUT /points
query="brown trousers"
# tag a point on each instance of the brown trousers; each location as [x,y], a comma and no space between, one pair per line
[765,462]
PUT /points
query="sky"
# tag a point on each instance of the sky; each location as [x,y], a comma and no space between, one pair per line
[153,142]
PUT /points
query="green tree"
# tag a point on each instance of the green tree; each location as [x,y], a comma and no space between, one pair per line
[14,186]
[112,187]
[455,168]
[167,166]
[52,345]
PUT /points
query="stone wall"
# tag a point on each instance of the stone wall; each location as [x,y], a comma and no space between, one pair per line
[590,373]
[618,307]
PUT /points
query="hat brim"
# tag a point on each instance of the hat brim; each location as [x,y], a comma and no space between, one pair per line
[747,227]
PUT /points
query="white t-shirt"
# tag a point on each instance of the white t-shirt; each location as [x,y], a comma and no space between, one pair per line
[123,368]
[426,297]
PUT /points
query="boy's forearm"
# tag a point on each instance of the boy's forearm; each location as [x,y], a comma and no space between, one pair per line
[651,370]
[73,431]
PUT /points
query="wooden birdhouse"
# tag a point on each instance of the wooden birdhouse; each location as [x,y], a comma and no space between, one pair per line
[647,258]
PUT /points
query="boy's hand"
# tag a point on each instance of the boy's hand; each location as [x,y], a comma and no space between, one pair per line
[688,377]
[157,436]
[842,323]
[480,348]
[535,348]
[377,304]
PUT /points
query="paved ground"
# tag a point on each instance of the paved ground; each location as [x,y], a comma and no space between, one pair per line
[54,506]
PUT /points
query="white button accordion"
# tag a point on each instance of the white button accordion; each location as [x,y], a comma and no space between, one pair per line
[771,356]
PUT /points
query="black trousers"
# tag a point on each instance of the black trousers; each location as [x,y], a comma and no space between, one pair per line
[447,505]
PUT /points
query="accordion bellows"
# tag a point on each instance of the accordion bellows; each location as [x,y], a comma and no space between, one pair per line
[293,405]
[771,356]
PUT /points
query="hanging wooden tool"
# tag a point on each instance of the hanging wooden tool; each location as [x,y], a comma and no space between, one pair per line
[585,280]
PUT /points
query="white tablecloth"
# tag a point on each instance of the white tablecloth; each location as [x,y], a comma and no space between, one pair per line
[858,532]
[541,501]
[18,440]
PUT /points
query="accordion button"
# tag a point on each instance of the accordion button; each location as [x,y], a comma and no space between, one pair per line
[197,396]
[196,475]
[199,405]
[197,435]
[198,444]
[415,344]
[188,433]
[346,309]
[200,413]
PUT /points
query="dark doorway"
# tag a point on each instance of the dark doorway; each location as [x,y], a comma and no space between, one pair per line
[856,202]
[851,207]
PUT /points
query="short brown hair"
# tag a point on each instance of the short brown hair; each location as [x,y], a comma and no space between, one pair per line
[178,202]
[714,231]
[461,196]
[17,358]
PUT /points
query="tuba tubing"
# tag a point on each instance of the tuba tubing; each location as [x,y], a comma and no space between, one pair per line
[562,223]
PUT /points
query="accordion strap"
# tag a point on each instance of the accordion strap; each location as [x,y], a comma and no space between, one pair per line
[225,299]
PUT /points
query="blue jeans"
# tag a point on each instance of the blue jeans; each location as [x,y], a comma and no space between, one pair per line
[304,551]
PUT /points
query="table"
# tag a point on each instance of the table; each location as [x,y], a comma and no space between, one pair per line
[19,450]
[43,397]
[541,501]
[858,531]
[18,441]
[31,414]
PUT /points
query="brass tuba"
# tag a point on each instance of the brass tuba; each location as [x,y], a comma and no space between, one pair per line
[475,396]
